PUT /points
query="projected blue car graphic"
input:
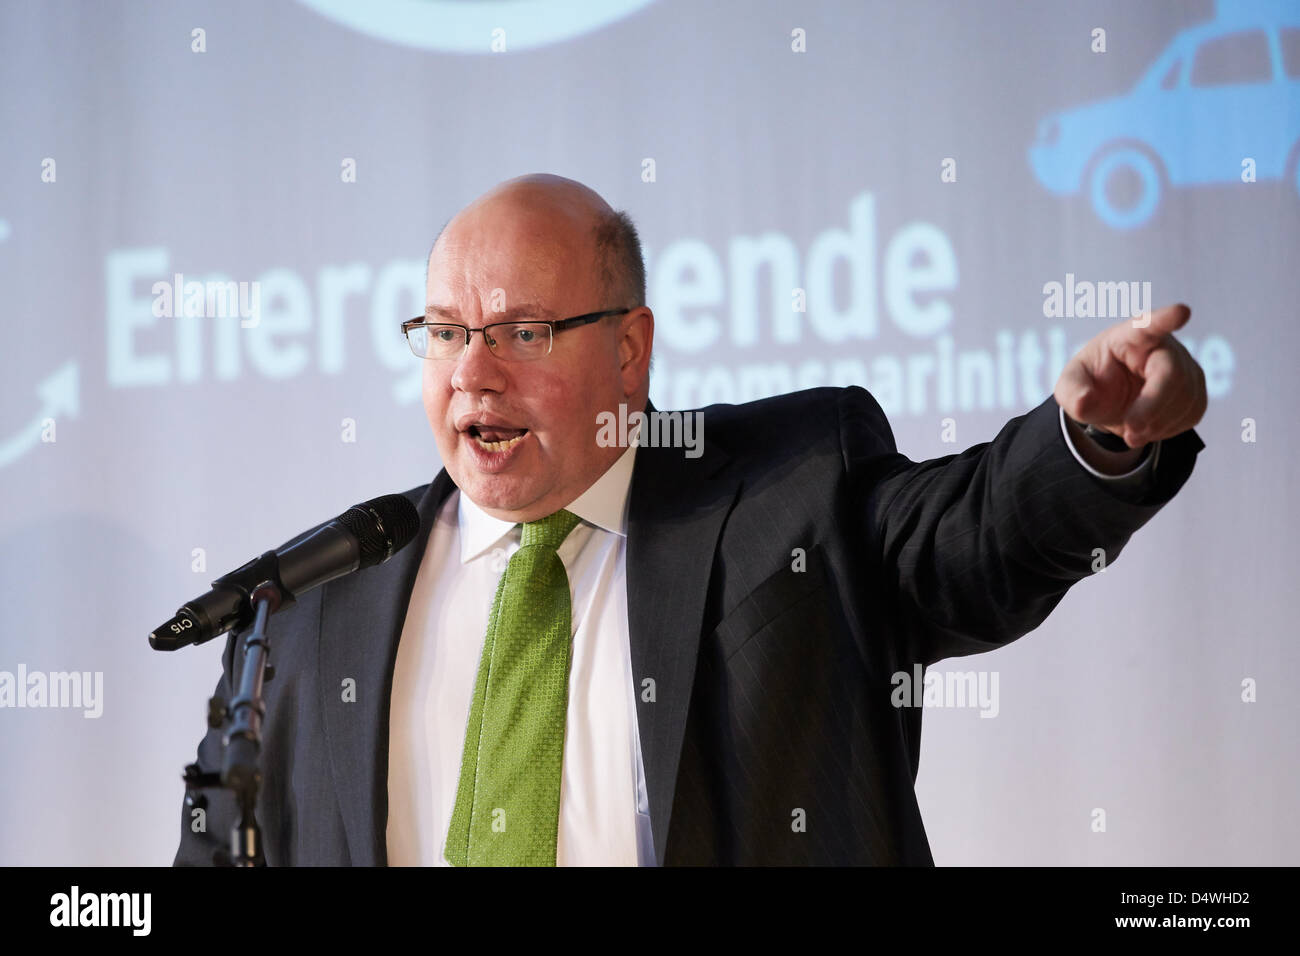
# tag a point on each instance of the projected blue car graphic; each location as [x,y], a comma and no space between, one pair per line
[1223,93]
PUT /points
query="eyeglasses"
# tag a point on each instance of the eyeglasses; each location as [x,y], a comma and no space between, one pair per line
[512,341]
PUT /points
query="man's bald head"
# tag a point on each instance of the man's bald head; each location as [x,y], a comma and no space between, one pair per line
[608,238]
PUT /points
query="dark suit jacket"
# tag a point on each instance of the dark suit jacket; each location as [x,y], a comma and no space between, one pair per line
[771,685]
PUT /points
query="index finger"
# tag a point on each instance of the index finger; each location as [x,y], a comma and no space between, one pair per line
[1161,322]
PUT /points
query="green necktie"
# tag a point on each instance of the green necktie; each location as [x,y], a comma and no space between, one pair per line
[507,810]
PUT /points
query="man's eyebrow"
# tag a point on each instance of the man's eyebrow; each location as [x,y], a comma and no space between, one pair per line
[530,310]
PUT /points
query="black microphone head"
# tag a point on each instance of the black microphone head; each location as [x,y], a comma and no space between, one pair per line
[383,526]
[179,632]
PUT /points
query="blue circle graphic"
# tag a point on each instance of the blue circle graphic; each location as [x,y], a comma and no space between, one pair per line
[465,26]
[1141,164]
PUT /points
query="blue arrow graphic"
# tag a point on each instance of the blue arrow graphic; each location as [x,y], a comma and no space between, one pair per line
[60,396]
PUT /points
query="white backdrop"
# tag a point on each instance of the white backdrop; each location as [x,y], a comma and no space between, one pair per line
[922,171]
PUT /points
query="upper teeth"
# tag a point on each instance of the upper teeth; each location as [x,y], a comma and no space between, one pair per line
[498,445]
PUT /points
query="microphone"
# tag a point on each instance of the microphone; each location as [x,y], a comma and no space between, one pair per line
[366,534]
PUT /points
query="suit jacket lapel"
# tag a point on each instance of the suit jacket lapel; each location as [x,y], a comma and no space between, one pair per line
[362,616]
[675,514]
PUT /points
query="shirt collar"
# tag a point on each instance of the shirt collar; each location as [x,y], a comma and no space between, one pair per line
[604,505]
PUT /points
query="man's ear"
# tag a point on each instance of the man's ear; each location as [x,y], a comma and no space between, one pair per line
[635,343]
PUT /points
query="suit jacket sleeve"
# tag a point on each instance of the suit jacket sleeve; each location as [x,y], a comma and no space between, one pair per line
[978,548]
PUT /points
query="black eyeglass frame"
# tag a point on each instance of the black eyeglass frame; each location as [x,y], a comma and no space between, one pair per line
[557,325]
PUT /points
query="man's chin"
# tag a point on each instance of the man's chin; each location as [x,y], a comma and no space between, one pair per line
[501,496]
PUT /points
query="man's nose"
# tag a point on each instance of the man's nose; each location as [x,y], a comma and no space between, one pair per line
[478,369]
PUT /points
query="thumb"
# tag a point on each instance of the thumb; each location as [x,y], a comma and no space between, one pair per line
[1076,391]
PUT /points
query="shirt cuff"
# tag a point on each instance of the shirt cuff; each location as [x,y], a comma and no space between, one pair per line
[1132,478]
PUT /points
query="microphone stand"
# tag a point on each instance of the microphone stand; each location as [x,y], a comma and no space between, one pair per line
[243,743]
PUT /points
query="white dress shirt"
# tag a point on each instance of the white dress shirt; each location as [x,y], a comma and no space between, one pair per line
[1131,478]
[604,810]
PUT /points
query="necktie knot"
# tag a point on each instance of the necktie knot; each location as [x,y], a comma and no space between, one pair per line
[550,531]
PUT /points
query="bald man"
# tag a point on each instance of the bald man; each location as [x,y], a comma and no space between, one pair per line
[619,653]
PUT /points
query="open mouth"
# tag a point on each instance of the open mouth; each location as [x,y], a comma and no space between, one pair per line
[495,438]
